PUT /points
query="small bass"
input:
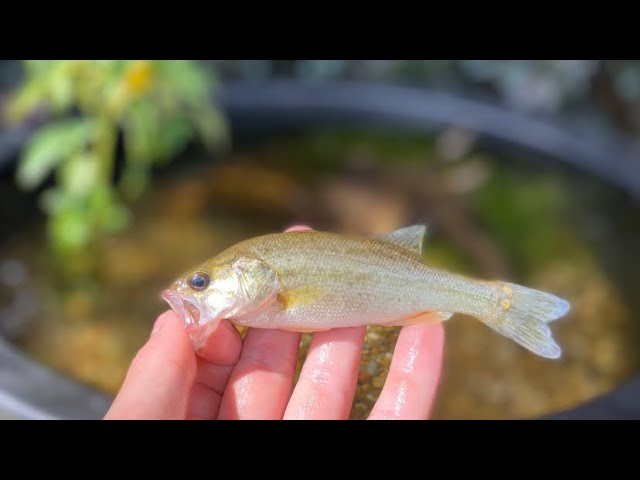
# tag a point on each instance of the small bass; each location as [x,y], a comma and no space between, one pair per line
[308,281]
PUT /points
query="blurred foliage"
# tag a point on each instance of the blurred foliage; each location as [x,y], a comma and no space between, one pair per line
[159,106]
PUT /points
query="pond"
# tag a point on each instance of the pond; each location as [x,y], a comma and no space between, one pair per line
[533,223]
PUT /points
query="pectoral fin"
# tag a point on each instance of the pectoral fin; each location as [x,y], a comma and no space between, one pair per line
[410,238]
[300,296]
[432,316]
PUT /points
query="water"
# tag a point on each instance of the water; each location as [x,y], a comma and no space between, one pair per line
[537,225]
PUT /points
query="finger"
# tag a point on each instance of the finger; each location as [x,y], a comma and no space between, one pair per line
[161,375]
[223,345]
[215,363]
[328,379]
[414,374]
[204,403]
[261,382]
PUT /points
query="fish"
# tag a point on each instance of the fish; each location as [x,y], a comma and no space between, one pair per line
[310,281]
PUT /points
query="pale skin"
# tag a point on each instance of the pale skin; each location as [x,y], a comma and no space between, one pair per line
[253,379]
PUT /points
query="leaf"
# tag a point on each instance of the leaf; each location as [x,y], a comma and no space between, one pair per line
[186,79]
[53,200]
[141,131]
[212,127]
[39,67]
[107,210]
[175,133]
[80,174]
[134,180]
[47,82]
[70,228]
[117,218]
[49,146]
[61,86]
[25,101]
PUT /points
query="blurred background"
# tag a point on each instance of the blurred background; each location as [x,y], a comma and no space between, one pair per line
[115,176]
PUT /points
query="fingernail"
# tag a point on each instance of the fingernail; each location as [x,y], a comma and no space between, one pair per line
[158,325]
[297,228]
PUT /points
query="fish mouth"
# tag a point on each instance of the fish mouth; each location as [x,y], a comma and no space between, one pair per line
[187,310]
[190,314]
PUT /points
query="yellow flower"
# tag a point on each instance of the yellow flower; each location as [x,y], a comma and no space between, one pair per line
[138,76]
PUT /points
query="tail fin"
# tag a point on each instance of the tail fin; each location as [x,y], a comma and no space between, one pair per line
[523,317]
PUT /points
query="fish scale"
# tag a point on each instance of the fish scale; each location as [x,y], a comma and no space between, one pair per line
[350,269]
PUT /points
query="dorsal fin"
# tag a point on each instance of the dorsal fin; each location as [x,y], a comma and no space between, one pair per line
[410,238]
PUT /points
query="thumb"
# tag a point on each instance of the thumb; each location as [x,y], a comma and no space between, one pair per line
[160,377]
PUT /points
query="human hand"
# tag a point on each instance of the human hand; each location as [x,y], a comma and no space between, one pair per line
[253,379]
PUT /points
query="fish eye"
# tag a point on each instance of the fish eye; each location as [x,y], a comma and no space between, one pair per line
[199,281]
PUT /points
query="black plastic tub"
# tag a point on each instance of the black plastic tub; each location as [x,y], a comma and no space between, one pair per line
[260,110]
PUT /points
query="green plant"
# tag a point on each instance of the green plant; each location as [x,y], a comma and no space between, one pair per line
[159,106]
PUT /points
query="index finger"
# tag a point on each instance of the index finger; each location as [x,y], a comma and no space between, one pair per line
[160,377]
[216,360]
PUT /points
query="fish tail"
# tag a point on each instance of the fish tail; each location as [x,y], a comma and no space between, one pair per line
[522,314]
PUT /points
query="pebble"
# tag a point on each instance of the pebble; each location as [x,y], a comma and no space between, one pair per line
[378,381]
[373,368]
